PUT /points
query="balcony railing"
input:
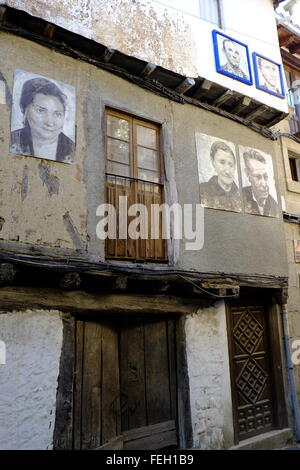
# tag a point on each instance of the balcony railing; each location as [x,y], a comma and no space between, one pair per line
[137,192]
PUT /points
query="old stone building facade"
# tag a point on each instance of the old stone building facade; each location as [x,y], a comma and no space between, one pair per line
[140,343]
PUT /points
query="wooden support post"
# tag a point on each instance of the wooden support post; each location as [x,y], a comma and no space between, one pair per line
[118,283]
[70,281]
[256,112]
[49,30]
[281,296]
[2,13]
[107,55]
[242,104]
[148,70]
[223,98]
[184,86]
[206,84]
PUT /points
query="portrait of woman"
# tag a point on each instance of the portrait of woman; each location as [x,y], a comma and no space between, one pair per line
[218,176]
[48,129]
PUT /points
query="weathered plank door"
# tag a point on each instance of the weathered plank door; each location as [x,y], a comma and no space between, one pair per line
[125,385]
[253,398]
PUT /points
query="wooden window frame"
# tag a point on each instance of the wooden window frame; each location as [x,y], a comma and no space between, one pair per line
[133,123]
[149,250]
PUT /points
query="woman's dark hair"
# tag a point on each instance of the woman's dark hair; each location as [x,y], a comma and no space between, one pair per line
[219,145]
[40,85]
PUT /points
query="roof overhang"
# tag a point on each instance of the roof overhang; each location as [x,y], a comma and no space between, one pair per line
[289,37]
[197,91]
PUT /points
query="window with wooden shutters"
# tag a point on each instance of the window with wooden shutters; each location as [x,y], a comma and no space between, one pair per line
[211,10]
[133,170]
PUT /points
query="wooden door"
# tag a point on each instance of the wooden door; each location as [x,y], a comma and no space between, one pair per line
[251,374]
[125,389]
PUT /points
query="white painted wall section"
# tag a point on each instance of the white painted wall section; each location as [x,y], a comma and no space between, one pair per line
[169,34]
[28,380]
[209,378]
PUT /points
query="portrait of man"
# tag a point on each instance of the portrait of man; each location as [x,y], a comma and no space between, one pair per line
[232,57]
[268,75]
[218,178]
[47,118]
[259,190]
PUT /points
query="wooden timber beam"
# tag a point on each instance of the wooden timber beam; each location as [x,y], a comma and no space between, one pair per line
[148,70]
[277,119]
[185,85]
[256,112]
[14,298]
[2,13]
[223,98]
[242,104]
[107,55]
[206,84]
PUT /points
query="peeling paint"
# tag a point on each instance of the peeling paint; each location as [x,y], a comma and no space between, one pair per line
[72,231]
[50,181]
[146,30]
[24,189]
[142,28]
[2,222]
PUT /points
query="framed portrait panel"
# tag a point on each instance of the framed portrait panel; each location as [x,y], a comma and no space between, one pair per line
[43,118]
[218,173]
[268,75]
[232,57]
[258,182]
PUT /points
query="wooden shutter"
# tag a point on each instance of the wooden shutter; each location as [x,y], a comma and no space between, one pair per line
[133,169]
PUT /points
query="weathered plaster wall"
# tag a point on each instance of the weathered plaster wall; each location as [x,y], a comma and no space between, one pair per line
[209,378]
[41,202]
[291,193]
[28,380]
[30,215]
[166,33]
[293,305]
[240,242]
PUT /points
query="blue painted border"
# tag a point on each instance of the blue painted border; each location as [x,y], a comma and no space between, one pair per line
[217,58]
[258,85]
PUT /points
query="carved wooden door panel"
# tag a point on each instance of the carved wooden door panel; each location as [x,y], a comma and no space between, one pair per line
[125,387]
[250,371]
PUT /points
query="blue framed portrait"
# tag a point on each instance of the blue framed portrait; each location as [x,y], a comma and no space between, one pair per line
[232,57]
[268,75]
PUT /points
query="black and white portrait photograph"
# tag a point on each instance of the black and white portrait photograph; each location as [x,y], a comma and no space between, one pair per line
[218,175]
[268,75]
[232,58]
[43,118]
[259,191]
